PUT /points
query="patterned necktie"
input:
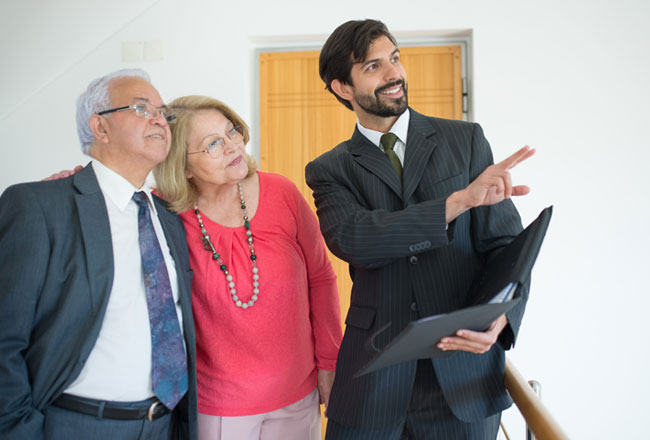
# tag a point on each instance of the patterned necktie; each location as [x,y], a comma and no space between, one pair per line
[168,361]
[388,142]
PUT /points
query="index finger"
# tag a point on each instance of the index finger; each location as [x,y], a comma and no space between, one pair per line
[519,156]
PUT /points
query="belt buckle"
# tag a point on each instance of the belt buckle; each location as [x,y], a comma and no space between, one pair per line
[152,408]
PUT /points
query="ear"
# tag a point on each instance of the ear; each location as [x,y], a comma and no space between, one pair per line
[342,89]
[98,125]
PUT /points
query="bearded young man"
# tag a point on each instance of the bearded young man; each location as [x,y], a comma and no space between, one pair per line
[416,207]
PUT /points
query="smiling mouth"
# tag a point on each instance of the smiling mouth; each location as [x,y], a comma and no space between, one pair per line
[392,89]
[157,136]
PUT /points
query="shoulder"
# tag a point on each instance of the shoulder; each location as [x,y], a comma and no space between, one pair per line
[276,182]
[48,193]
[418,119]
[280,191]
[36,205]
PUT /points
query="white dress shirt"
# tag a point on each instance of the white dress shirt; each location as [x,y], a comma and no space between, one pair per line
[119,366]
[400,128]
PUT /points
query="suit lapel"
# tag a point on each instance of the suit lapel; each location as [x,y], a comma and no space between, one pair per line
[419,147]
[168,224]
[96,232]
[175,238]
[369,156]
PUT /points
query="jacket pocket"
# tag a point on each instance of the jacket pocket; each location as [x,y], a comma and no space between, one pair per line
[360,317]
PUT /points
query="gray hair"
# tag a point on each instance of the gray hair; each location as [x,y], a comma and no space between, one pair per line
[95,99]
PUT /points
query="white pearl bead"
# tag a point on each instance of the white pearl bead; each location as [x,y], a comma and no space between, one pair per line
[229,278]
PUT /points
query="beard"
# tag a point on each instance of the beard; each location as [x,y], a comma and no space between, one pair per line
[374,105]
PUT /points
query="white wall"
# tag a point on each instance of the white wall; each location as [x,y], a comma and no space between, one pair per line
[567,77]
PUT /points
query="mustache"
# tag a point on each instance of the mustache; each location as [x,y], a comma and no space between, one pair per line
[390,85]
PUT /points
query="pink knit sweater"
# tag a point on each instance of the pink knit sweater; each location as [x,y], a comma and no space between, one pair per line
[263,358]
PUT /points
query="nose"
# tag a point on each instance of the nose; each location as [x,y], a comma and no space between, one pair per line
[392,72]
[229,145]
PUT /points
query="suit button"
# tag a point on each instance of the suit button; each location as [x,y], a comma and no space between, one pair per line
[413,259]
[414,306]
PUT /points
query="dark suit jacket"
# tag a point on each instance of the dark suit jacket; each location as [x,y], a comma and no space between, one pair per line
[405,264]
[56,273]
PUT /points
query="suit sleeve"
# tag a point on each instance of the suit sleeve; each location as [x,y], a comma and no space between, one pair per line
[492,228]
[371,238]
[24,253]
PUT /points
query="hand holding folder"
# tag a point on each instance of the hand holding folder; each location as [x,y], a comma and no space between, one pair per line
[491,296]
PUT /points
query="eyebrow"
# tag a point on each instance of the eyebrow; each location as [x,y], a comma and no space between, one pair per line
[374,60]
[228,128]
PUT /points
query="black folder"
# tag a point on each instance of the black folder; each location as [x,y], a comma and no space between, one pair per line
[490,296]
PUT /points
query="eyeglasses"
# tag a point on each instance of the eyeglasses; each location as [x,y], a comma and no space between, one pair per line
[144,110]
[215,147]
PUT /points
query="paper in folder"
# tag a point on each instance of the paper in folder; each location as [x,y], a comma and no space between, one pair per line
[490,296]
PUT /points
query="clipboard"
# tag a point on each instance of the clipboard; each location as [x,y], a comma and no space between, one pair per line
[490,296]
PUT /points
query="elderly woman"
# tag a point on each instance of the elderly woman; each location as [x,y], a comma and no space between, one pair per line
[264,293]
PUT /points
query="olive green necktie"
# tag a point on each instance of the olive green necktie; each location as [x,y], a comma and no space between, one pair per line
[388,142]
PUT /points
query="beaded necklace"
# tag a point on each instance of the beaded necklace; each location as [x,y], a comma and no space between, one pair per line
[215,256]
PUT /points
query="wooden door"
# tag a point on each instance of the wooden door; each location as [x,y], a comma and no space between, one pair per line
[300,119]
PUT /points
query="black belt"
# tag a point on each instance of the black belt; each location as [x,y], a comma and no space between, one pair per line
[151,409]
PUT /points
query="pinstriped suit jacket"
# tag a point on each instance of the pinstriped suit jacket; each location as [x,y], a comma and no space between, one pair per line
[405,264]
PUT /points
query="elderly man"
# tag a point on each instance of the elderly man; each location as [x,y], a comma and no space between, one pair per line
[97,337]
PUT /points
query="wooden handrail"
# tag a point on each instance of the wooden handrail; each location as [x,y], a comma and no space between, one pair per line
[539,420]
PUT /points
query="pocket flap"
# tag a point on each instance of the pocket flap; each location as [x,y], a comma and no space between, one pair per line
[360,317]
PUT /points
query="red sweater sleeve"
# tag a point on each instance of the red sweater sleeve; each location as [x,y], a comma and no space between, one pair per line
[324,305]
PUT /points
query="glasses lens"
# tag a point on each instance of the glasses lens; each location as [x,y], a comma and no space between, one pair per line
[142,110]
[214,148]
[236,134]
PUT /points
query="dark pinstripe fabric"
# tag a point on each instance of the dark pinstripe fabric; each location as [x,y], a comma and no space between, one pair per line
[402,257]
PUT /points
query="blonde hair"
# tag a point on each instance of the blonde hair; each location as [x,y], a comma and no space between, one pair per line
[172,185]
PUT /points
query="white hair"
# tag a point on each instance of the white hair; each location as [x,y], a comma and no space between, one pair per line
[96,98]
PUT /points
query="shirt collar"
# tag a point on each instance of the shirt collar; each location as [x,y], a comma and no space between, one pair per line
[117,188]
[400,128]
